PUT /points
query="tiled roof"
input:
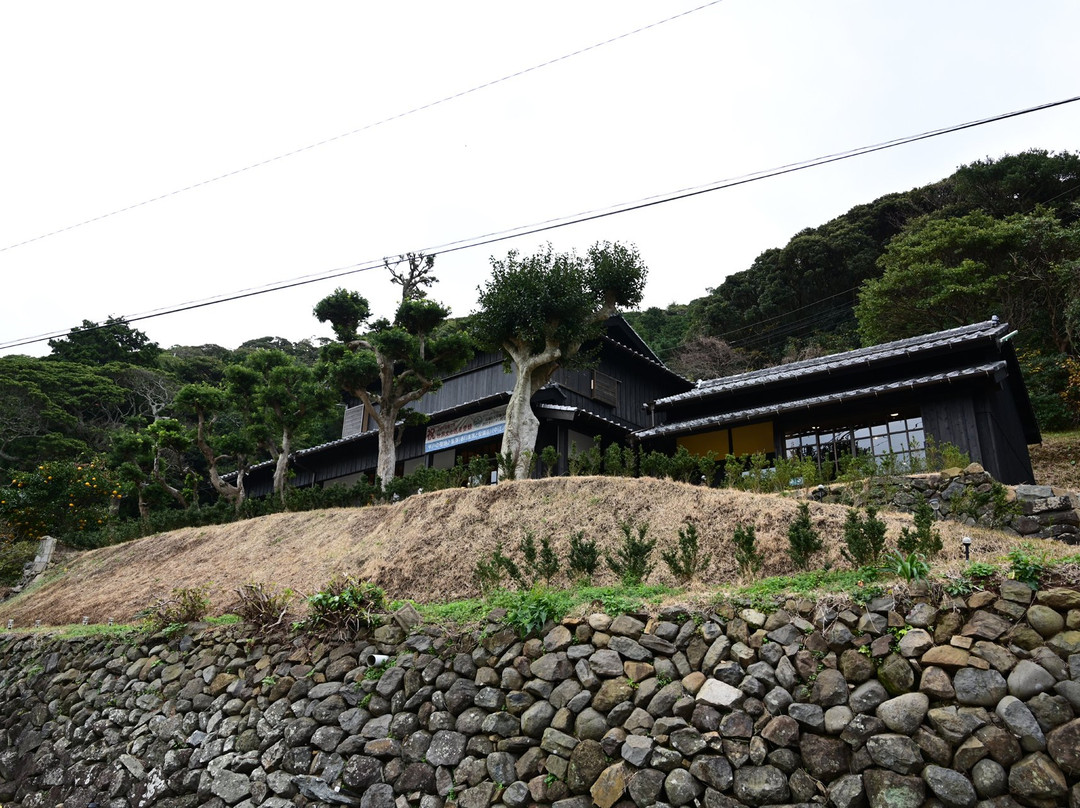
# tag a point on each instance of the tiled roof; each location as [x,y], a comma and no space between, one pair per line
[912,346]
[682,427]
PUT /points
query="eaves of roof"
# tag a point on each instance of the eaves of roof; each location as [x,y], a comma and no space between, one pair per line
[588,414]
[450,412]
[912,346]
[650,359]
[990,369]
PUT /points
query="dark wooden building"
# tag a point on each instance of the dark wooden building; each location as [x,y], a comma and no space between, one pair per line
[962,386]
[467,414]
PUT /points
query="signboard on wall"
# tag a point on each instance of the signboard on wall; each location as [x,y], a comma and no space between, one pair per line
[486,424]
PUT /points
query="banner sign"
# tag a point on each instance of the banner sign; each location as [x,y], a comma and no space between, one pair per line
[486,424]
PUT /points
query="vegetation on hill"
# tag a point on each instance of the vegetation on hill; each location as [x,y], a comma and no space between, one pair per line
[438,539]
[996,237]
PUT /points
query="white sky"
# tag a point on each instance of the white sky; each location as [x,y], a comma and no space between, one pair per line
[105,105]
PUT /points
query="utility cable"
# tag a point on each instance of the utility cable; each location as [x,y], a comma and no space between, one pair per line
[492,238]
[365,128]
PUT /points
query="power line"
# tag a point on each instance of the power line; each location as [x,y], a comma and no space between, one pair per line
[585,216]
[366,127]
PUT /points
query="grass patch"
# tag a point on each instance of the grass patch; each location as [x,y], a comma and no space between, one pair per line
[859,584]
[528,609]
[223,620]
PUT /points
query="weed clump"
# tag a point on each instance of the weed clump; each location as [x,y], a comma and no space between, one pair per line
[263,606]
[184,605]
[344,607]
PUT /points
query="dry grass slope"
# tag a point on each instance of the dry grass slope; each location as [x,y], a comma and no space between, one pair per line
[426,547]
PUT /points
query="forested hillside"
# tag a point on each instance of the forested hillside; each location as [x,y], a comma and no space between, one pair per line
[996,237]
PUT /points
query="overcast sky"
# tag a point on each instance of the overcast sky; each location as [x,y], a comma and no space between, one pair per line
[106,105]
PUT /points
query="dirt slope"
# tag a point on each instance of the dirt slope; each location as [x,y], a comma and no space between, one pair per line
[426,547]
[1057,461]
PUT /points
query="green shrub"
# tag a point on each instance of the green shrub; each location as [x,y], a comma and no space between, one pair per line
[683,466]
[344,607]
[588,462]
[13,557]
[490,569]
[923,539]
[654,464]
[530,610]
[708,466]
[631,563]
[539,565]
[686,562]
[746,553]
[584,556]
[945,456]
[615,461]
[864,539]
[550,457]
[1026,565]
[803,540]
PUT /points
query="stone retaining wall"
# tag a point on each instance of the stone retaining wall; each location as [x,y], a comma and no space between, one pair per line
[959,703]
[973,497]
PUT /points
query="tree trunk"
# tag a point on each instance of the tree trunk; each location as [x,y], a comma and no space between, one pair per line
[281,465]
[387,462]
[522,425]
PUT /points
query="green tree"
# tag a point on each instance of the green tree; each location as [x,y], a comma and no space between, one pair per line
[53,409]
[540,310]
[99,344]
[942,273]
[392,364]
[286,398]
[223,433]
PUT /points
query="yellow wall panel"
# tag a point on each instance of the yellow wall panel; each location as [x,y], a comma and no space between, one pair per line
[753,438]
[715,442]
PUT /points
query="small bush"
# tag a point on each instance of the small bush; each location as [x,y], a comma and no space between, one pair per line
[686,562]
[654,464]
[632,561]
[683,466]
[746,554]
[588,462]
[490,569]
[803,540]
[13,557]
[550,457]
[1026,565]
[184,605]
[614,461]
[344,607]
[539,565]
[923,539]
[864,539]
[263,606]
[584,556]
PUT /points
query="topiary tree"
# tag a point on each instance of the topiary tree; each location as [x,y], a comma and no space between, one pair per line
[392,364]
[539,311]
